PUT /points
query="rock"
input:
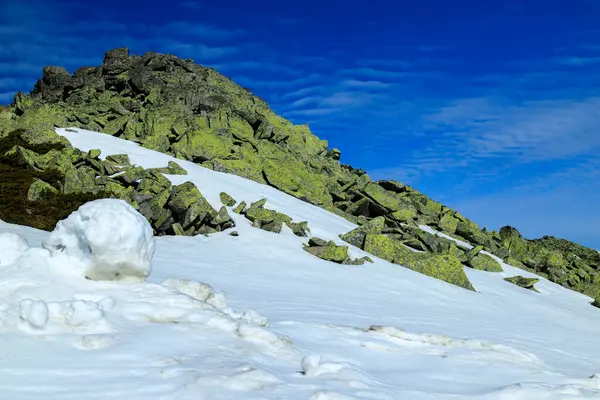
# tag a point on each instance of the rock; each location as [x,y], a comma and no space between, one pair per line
[227,200]
[404,215]
[199,211]
[154,182]
[357,236]
[39,189]
[120,159]
[523,282]
[471,232]
[234,233]
[468,256]
[299,228]
[359,261]
[178,229]
[183,196]
[81,180]
[175,169]
[221,218]
[484,262]
[259,203]
[316,242]
[241,208]
[330,252]
[114,55]
[131,174]
[448,223]
[445,267]
[94,154]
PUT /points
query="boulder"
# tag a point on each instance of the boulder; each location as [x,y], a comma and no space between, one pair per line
[183,196]
[39,189]
[356,237]
[241,208]
[484,262]
[328,251]
[445,267]
[523,282]
[448,223]
[227,200]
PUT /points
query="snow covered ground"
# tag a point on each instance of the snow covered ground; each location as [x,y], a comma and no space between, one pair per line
[277,322]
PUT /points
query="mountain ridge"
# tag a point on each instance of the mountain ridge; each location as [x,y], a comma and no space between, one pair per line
[194,113]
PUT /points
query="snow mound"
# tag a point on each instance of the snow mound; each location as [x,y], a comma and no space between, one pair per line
[313,365]
[12,246]
[62,316]
[491,350]
[198,290]
[109,240]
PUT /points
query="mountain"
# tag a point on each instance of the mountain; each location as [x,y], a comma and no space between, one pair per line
[193,113]
[256,316]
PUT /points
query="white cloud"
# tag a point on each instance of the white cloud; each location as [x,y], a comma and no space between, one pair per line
[355,83]
[532,130]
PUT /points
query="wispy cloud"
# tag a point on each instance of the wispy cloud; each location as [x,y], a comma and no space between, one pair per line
[355,83]
[534,130]
[578,61]
[374,73]
[260,66]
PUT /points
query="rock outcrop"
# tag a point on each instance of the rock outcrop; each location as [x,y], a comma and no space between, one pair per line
[194,113]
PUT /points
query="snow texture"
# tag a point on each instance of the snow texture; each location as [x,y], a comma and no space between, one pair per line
[256,317]
[109,239]
[12,246]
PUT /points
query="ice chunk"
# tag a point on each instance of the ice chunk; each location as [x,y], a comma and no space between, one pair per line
[109,238]
[12,246]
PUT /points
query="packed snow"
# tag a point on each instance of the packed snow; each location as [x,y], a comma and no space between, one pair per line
[256,317]
[106,239]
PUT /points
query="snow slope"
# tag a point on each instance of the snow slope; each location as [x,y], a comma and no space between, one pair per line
[280,323]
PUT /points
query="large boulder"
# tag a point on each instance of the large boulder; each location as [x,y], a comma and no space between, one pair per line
[445,267]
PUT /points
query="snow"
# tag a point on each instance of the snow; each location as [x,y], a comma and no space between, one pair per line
[12,246]
[105,239]
[256,317]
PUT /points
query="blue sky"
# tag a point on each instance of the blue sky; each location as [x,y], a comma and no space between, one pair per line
[492,107]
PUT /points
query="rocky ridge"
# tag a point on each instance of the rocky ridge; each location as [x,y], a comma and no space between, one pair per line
[194,113]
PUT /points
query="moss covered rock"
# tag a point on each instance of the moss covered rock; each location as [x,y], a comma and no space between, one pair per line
[227,200]
[330,252]
[484,262]
[527,283]
[40,189]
